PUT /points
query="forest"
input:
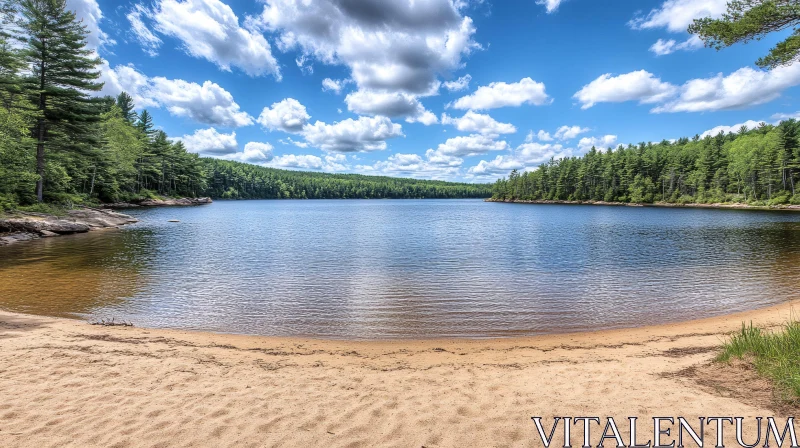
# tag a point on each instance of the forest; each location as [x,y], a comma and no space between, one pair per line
[753,166]
[236,180]
[61,143]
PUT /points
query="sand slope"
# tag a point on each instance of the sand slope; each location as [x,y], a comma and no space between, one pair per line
[65,383]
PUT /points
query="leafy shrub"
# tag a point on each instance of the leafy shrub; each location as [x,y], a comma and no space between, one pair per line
[8,202]
[781,199]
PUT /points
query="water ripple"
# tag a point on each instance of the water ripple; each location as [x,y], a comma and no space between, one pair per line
[410,269]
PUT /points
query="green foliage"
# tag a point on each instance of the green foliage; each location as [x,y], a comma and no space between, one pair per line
[759,166]
[235,180]
[747,20]
[775,355]
[41,207]
[8,202]
[62,73]
[125,104]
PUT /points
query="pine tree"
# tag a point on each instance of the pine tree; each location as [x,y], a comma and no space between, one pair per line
[748,20]
[125,103]
[63,70]
[145,124]
[11,62]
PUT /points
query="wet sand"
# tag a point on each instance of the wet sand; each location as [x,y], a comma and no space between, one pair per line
[66,383]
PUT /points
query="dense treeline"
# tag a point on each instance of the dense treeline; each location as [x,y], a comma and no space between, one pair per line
[234,180]
[59,143]
[756,166]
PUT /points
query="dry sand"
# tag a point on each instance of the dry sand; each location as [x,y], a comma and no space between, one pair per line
[66,383]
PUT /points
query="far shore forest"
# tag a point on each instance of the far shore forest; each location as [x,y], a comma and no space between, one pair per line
[758,166]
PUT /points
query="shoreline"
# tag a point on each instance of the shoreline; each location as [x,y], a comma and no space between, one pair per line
[17,226]
[767,317]
[716,206]
[66,382]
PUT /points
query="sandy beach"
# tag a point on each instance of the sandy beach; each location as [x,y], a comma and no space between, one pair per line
[67,383]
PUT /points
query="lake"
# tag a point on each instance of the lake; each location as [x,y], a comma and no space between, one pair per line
[383,269]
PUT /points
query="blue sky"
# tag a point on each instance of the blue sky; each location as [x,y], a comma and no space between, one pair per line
[441,89]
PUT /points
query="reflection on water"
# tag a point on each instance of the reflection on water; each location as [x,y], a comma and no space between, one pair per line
[406,269]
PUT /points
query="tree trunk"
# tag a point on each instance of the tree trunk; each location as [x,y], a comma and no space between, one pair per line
[40,161]
[41,127]
[94,174]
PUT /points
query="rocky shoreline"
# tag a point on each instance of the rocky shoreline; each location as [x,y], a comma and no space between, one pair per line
[736,206]
[26,226]
[181,202]
[20,226]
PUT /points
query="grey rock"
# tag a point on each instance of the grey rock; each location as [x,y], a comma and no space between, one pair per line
[16,238]
[175,202]
[25,226]
[37,225]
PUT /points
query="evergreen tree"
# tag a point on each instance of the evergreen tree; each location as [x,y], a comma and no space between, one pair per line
[63,71]
[748,20]
[126,105]
[145,124]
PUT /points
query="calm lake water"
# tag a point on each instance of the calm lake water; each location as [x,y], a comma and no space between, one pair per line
[409,269]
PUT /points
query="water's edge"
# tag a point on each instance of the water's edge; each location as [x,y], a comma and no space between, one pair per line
[722,206]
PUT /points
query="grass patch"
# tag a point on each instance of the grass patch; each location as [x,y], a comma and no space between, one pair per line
[45,208]
[775,355]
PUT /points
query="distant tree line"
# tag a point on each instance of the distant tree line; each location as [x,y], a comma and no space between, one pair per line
[235,180]
[60,143]
[758,166]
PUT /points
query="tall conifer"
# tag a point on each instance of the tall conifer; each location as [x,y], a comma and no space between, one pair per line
[63,71]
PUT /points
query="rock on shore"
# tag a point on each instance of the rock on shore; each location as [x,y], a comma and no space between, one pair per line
[161,203]
[24,226]
[174,202]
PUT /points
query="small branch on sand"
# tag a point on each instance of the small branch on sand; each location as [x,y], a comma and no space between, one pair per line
[111,323]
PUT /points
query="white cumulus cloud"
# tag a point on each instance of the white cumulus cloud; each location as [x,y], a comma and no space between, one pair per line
[362,135]
[459,84]
[471,145]
[389,104]
[210,142]
[394,45]
[501,94]
[677,15]
[639,86]
[743,88]
[480,123]
[334,85]
[604,142]
[570,132]
[89,13]
[287,115]
[254,152]
[664,47]
[207,103]
[209,29]
[713,132]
